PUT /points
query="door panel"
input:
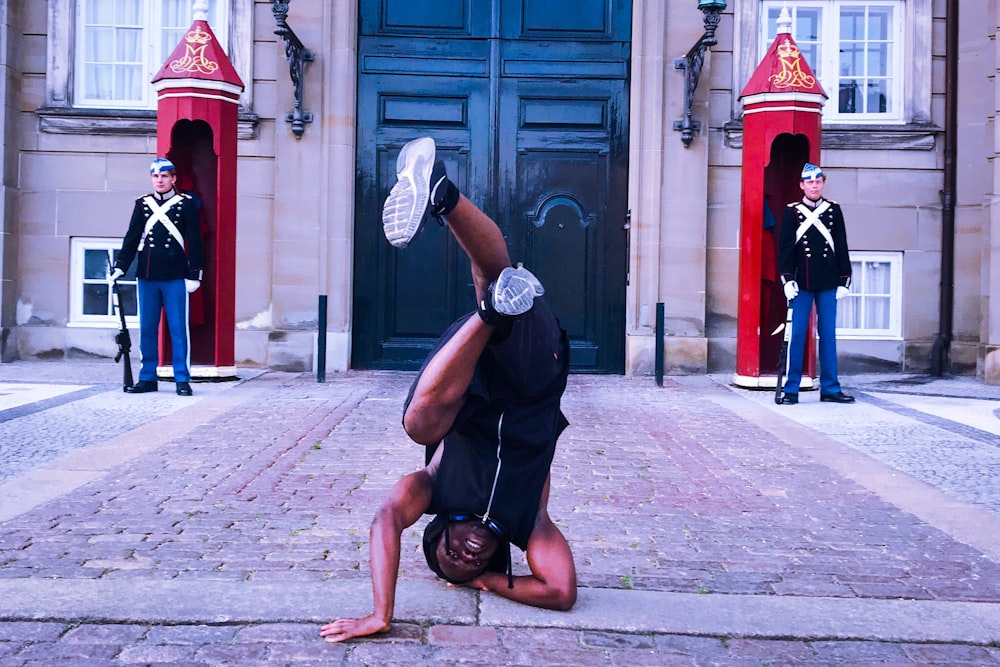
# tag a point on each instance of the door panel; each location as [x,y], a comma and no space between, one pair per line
[405,299]
[568,206]
[576,20]
[441,18]
[535,133]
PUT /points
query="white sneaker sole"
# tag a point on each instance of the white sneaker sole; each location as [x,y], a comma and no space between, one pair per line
[515,291]
[406,204]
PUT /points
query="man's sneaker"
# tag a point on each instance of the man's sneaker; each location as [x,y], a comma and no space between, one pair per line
[404,209]
[422,186]
[514,291]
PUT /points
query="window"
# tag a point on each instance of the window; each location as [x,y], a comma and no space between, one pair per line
[856,49]
[121,45]
[92,301]
[874,308]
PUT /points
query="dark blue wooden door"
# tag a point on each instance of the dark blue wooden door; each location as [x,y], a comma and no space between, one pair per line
[528,103]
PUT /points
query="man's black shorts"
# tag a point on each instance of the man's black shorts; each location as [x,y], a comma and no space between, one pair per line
[529,363]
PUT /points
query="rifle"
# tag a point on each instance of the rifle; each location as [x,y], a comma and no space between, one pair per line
[783,354]
[124,341]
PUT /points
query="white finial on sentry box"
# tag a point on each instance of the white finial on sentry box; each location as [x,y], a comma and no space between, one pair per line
[200,10]
[784,21]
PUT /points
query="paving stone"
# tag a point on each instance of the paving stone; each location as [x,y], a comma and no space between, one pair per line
[695,488]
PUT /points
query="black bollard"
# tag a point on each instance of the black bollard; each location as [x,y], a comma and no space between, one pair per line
[659,344]
[321,343]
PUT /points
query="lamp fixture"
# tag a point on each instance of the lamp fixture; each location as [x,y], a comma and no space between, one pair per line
[298,55]
[692,63]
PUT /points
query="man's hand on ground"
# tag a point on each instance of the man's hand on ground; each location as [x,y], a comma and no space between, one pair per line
[346,628]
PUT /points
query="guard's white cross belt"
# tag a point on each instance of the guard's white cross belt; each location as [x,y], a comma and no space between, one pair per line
[159,215]
[812,220]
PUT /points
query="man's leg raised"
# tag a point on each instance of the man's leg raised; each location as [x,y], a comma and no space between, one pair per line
[423,187]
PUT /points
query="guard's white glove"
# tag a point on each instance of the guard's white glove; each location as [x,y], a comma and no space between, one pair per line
[791,290]
[191,285]
[116,274]
[842,292]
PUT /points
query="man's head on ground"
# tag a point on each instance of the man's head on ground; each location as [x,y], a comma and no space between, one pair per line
[812,181]
[459,548]
[163,175]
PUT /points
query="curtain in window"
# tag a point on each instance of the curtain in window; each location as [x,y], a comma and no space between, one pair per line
[175,18]
[869,305]
[112,60]
[877,289]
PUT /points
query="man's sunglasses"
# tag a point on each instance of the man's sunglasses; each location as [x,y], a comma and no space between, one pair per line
[489,523]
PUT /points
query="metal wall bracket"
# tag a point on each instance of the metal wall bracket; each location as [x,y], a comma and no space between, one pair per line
[691,64]
[298,55]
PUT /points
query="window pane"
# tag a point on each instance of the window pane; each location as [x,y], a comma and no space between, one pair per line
[129,301]
[879,20]
[99,11]
[98,82]
[175,13]
[128,12]
[878,96]
[877,312]
[128,46]
[95,265]
[128,83]
[848,313]
[100,44]
[852,59]
[95,299]
[771,25]
[878,60]
[807,25]
[852,23]
[849,101]
[877,277]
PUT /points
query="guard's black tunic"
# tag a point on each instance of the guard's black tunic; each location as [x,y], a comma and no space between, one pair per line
[162,256]
[811,261]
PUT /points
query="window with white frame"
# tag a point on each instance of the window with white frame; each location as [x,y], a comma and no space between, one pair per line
[856,50]
[874,308]
[121,45]
[92,301]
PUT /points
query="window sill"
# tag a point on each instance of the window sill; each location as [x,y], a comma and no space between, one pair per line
[120,122]
[868,335]
[912,136]
[115,324]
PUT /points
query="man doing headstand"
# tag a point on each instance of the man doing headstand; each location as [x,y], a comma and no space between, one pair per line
[486,404]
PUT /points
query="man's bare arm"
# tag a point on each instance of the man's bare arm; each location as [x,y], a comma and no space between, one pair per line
[407,500]
[552,583]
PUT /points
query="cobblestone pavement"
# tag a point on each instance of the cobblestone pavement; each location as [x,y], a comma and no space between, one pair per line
[709,526]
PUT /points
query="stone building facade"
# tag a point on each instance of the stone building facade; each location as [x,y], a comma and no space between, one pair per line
[70,172]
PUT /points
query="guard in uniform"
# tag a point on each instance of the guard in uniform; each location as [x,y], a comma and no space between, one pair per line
[164,231]
[815,267]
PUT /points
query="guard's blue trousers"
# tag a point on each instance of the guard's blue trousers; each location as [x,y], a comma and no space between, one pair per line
[172,297]
[826,324]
